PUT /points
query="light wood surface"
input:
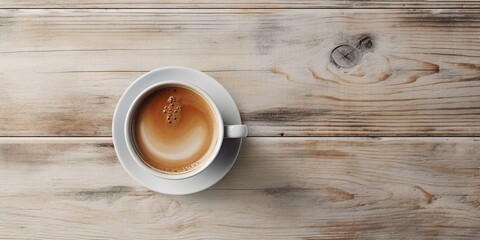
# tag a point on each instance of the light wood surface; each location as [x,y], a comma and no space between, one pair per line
[239,4]
[281,188]
[63,71]
[386,149]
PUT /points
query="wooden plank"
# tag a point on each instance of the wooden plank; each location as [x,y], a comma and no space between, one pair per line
[420,76]
[279,188]
[239,4]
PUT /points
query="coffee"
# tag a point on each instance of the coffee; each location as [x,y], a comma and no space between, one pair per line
[175,130]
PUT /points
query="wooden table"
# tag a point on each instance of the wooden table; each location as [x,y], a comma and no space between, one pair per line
[379,140]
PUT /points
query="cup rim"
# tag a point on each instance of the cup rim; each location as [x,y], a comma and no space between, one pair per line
[128,135]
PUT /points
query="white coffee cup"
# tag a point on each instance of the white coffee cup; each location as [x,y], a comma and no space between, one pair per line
[224,131]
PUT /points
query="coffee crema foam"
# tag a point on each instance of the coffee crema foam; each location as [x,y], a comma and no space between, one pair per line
[175,130]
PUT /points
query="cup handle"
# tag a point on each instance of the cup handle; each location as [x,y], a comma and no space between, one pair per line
[235,131]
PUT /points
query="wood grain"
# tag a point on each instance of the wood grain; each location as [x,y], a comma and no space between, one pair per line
[414,71]
[282,188]
[239,4]
[63,71]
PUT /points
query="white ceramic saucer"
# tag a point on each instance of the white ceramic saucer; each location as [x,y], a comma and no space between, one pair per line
[228,152]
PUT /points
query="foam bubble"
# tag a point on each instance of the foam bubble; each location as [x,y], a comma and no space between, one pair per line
[172,110]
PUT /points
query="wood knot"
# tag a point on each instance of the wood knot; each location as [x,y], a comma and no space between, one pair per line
[346,56]
[365,44]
